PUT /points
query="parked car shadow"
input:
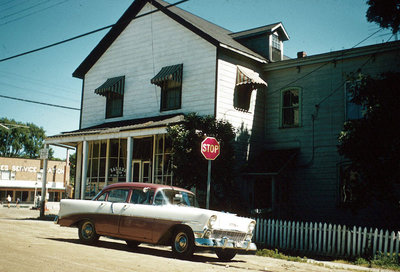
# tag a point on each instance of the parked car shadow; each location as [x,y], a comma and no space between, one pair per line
[145,249]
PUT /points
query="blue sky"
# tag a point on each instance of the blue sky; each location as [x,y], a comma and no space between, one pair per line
[314,26]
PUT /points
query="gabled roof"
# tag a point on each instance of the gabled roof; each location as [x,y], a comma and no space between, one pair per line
[214,34]
[278,27]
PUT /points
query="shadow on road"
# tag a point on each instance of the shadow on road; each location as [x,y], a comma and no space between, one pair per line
[145,250]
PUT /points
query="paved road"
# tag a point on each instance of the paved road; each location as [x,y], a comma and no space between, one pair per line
[27,244]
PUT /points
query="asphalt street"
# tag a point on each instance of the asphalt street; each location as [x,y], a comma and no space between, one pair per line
[29,244]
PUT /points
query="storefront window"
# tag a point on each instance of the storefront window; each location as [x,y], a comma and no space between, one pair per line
[117,161]
[163,161]
[96,167]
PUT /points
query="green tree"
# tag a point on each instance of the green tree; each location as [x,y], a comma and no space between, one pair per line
[190,167]
[372,143]
[21,139]
[386,13]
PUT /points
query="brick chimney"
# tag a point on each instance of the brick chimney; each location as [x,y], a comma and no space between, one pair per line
[301,54]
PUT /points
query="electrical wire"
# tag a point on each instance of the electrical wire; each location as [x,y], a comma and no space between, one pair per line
[68,40]
[34,12]
[40,103]
[323,65]
[340,86]
[85,34]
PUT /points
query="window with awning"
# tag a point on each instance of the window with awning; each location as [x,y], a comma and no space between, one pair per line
[113,85]
[113,89]
[169,78]
[246,81]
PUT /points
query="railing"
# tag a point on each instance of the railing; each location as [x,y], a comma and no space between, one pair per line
[325,239]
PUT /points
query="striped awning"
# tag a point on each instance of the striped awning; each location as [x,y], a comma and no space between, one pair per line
[173,72]
[246,76]
[113,85]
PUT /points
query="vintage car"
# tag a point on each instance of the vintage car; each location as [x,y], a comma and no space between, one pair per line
[157,214]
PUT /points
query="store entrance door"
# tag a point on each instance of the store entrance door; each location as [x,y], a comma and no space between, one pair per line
[141,171]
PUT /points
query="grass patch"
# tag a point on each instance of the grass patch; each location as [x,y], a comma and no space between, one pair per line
[278,255]
[380,261]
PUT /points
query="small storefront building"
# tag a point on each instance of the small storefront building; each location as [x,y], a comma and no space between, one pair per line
[124,151]
[21,179]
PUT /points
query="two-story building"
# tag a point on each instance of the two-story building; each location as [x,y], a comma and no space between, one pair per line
[21,179]
[159,62]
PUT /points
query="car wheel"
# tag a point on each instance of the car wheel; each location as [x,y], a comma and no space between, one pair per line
[87,232]
[183,243]
[132,244]
[225,254]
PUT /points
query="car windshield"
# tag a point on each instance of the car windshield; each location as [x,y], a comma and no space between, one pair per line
[175,197]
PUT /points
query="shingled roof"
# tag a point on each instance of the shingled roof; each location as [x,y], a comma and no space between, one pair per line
[214,34]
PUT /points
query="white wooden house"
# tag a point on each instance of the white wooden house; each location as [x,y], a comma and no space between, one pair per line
[156,64]
[159,62]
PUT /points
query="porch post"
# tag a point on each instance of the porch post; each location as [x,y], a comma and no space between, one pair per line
[84,168]
[129,155]
[273,193]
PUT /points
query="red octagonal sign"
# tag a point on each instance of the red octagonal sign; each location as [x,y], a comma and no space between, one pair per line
[210,148]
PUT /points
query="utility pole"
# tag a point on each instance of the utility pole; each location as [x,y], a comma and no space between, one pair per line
[44,154]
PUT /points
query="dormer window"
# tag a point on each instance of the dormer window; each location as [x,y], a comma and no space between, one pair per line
[276,43]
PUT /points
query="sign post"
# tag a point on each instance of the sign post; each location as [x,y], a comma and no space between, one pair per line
[44,154]
[210,149]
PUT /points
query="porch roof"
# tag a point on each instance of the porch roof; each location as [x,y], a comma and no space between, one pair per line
[119,129]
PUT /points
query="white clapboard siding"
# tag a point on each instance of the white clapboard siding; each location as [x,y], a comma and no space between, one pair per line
[325,239]
[142,49]
[245,121]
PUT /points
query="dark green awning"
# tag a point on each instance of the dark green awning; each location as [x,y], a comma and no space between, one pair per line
[173,72]
[113,85]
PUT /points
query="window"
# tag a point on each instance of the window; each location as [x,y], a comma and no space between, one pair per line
[290,108]
[113,90]
[114,105]
[142,196]
[276,42]
[242,97]
[353,111]
[169,78]
[118,195]
[348,181]
[171,95]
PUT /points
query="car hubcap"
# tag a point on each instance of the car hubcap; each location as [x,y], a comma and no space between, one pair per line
[181,242]
[87,230]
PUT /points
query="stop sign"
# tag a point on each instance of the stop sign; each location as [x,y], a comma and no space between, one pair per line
[210,148]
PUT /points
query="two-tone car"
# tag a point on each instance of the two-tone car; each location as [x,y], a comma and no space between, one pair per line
[157,214]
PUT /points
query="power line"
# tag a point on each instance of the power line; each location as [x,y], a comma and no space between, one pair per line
[323,65]
[85,34]
[34,12]
[40,103]
[359,68]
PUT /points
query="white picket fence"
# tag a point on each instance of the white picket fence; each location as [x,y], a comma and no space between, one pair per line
[325,239]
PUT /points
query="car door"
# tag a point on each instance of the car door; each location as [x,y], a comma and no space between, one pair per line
[136,222]
[109,210]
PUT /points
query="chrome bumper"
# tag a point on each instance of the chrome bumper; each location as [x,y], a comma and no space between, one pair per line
[225,243]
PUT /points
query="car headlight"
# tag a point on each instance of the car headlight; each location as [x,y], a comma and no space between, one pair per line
[252,225]
[211,221]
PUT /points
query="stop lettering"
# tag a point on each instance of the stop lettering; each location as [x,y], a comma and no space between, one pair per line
[210,148]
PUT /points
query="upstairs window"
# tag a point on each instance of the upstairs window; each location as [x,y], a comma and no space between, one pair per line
[246,81]
[290,108]
[113,90]
[171,95]
[169,78]
[353,111]
[276,43]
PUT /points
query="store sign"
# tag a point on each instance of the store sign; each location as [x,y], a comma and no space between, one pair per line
[28,169]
